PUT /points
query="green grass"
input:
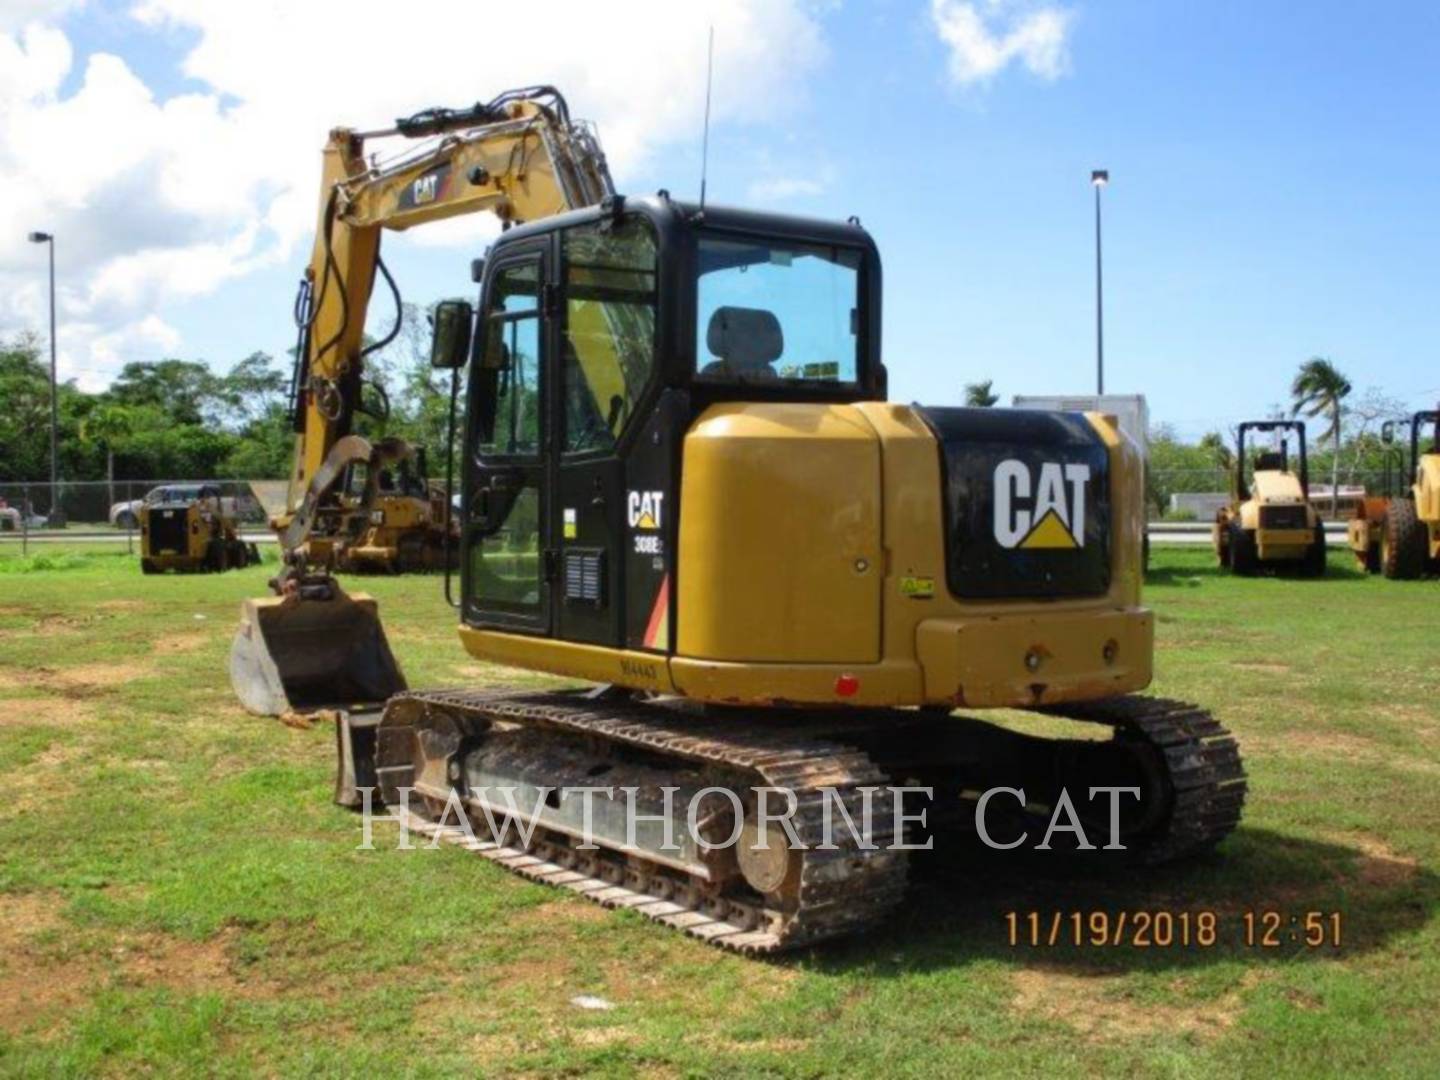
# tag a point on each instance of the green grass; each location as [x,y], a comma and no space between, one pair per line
[178,895]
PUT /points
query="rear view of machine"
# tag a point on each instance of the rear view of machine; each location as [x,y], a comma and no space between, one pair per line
[685,491]
[1270,522]
[187,528]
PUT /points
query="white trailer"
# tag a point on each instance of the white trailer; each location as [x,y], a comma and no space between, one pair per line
[1129,409]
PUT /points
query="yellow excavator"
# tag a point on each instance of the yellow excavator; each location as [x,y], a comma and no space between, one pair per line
[682,485]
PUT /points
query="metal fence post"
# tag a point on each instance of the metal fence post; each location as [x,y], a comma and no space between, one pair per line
[25,520]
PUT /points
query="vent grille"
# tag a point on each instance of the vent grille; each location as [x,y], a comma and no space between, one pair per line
[168,530]
[1282,517]
[585,576]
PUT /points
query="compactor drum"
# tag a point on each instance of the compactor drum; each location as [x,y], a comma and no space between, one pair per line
[683,488]
[1270,523]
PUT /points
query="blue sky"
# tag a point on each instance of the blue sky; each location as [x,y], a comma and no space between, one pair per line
[1274,192]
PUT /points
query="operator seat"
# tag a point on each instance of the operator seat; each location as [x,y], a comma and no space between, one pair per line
[746,341]
[1269,461]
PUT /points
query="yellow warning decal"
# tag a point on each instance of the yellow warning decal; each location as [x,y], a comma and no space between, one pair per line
[1049,532]
[917,588]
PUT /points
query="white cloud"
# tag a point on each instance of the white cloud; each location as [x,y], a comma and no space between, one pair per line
[986,36]
[17,13]
[154,201]
[781,188]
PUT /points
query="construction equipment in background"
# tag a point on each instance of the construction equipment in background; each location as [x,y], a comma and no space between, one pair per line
[186,527]
[1398,533]
[1270,522]
[409,529]
[682,481]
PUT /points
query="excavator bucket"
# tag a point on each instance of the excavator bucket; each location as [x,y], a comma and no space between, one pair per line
[293,654]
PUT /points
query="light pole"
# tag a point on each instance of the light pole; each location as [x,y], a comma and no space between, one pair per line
[1098,179]
[57,516]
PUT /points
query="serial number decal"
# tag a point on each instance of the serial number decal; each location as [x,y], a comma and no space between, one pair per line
[638,669]
[1173,929]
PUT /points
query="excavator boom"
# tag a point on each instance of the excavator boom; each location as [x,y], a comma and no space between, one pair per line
[519,157]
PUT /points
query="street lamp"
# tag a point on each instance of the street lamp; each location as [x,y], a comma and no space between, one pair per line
[1098,179]
[57,516]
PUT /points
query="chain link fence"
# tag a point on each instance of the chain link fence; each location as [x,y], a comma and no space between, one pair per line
[104,510]
[1195,494]
[100,510]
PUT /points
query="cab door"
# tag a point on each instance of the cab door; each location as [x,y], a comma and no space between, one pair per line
[605,381]
[505,574]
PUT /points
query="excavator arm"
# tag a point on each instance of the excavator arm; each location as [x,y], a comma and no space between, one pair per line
[519,157]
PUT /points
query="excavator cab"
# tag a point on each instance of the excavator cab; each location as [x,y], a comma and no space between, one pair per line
[601,336]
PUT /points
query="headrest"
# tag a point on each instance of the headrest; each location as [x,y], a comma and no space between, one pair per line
[745,338]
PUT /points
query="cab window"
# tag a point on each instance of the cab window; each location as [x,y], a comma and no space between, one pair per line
[608,342]
[509,422]
[774,311]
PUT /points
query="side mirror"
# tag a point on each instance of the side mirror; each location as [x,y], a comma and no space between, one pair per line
[450,345]
[1387,432]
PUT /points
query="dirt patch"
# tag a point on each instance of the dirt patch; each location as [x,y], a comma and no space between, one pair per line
[1255,665]
[81,681]
[193,967]
[51,712]
[50,624]
[25,915]
[120,605]
[35,982]
[1341,747]
[601,1036]
[1096,1007]
[180,643]
[27,988]
[1377,865]
[553,915]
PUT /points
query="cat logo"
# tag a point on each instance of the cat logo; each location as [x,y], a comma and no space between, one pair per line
[425,189]
[1044,513]
[429,187]
[644,509]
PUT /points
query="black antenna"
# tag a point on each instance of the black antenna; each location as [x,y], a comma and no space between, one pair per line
[705,138]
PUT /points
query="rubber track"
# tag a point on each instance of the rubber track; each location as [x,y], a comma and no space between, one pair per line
[1203,760]
[840,892]
[846,891]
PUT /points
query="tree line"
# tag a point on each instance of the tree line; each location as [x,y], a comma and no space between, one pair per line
[180,419]
[174,419]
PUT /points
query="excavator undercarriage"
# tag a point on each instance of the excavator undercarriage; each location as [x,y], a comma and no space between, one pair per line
[570,789]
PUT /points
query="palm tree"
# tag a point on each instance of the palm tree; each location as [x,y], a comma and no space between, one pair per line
[978,395]
[1320,389]
[107,424]
[1215,446]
